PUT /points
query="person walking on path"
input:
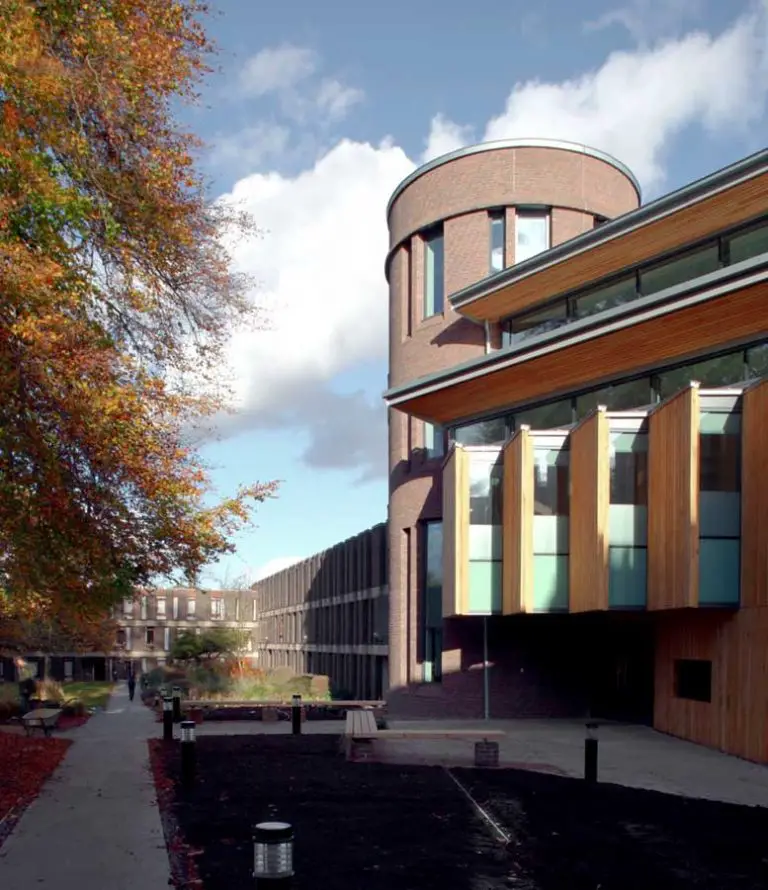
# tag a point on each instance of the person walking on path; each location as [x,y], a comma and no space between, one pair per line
[27,685]
[131,685]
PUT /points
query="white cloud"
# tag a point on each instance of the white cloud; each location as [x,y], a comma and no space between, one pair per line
[278,564]
[278,68]
[321,259]
[645,19]
[293,75]
[638,101]
[444,136]
[250,147]
[336,99]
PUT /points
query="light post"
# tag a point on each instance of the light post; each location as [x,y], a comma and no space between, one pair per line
[177,704]
[296,715]
[590,753]
[167,719]
[273,855]
[188,752]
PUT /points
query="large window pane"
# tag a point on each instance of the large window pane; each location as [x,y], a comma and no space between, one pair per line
[498,237]
[433,576]
[684,268]
[433,440]
[533,323]
[546,417]
[629,469]
[531,233]
[713,372]
[719,462]
[434,273]
[485,489]
[486,432]
[748,244]
[757,361]
[550,481]
[607,297]
[621,397]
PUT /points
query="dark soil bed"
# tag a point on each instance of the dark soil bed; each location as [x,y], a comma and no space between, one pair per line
[381,826]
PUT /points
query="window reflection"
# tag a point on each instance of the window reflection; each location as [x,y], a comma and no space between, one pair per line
[531,233]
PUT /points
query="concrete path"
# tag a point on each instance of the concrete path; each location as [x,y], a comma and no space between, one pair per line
[96,824]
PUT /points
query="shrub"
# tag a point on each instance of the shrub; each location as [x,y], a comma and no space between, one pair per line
[50,690]
[75,709]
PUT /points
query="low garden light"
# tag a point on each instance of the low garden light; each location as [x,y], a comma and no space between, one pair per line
[590,752]
[188,752]
[177,704]
[167,719]
[272,854]
[296,715]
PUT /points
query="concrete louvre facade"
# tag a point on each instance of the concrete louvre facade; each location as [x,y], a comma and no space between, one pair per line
[328,615]
[577,395]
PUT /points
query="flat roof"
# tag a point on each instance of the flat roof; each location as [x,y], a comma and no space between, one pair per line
[501,144]
[473,300]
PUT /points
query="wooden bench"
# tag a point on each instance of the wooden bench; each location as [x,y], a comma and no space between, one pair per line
[361,732]
[266,705]
[42,718]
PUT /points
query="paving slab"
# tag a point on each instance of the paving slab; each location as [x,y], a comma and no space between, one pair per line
[95,824]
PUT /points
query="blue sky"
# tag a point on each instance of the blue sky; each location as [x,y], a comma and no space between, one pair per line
[320,109]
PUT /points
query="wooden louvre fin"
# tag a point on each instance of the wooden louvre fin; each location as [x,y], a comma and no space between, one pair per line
[673,502]
[517,527]
[754,496]
[588,526]
[456,532]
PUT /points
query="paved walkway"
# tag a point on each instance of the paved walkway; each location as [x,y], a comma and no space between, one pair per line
[96,824]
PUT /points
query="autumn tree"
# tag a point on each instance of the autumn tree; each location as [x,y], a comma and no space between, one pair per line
[117,300]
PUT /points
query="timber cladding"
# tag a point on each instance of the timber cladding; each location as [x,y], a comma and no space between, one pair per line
[517,525]
[673,502]
[736,644]
[754,496]
[739,203]
[589,506]
[456,533]
[732,318]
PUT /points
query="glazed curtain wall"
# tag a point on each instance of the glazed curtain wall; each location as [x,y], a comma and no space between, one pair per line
[625,510]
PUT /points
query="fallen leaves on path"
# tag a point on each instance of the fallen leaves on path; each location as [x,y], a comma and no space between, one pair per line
[26,764]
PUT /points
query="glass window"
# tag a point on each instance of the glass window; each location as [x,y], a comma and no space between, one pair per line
[533,323]
[128,608]
[433,440]
[485,490]
[191,606]
[719,371]
[719,462]
[531,233]
[150,636]
[434,273]
[498,237]
[629,469]
[621,397]
[486,432]
[432,601]
[544,417]
[161,607]
[175,607]
[167,638]
[144,608]
[550,481]
[757,361]
[679,270]
[622,291]
[217,607]
[748,244]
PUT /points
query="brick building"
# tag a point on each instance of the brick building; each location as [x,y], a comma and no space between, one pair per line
[329,615]
[146,629]
[576,436]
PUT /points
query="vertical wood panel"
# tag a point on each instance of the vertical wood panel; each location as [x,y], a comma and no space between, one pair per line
[735,720]
[754,496]
[673,502]
[588,526]
[456,533]
[517,524]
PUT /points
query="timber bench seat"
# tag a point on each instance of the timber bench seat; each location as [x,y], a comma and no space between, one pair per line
[201,705]
[361,732]
[42,718]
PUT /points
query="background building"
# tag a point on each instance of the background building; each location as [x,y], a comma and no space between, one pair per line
[595,538]
[329,615]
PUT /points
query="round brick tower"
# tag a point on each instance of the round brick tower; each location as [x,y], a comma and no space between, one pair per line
[458,219]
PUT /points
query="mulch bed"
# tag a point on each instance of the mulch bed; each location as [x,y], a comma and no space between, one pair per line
[25,764]
[384,826]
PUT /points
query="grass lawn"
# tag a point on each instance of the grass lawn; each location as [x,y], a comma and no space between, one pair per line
[92,695]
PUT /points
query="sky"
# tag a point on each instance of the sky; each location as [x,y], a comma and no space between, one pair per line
[318,111]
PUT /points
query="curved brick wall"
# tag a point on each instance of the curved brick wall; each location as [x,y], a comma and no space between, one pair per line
[459,192]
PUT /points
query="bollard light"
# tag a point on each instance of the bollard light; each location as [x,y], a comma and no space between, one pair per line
[168,704]
[167,720]
[296,715]
[188,731]
[272,852]
[590,752]
[176,704]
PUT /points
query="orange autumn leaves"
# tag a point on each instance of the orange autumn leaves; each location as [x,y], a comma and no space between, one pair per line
[117,299]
